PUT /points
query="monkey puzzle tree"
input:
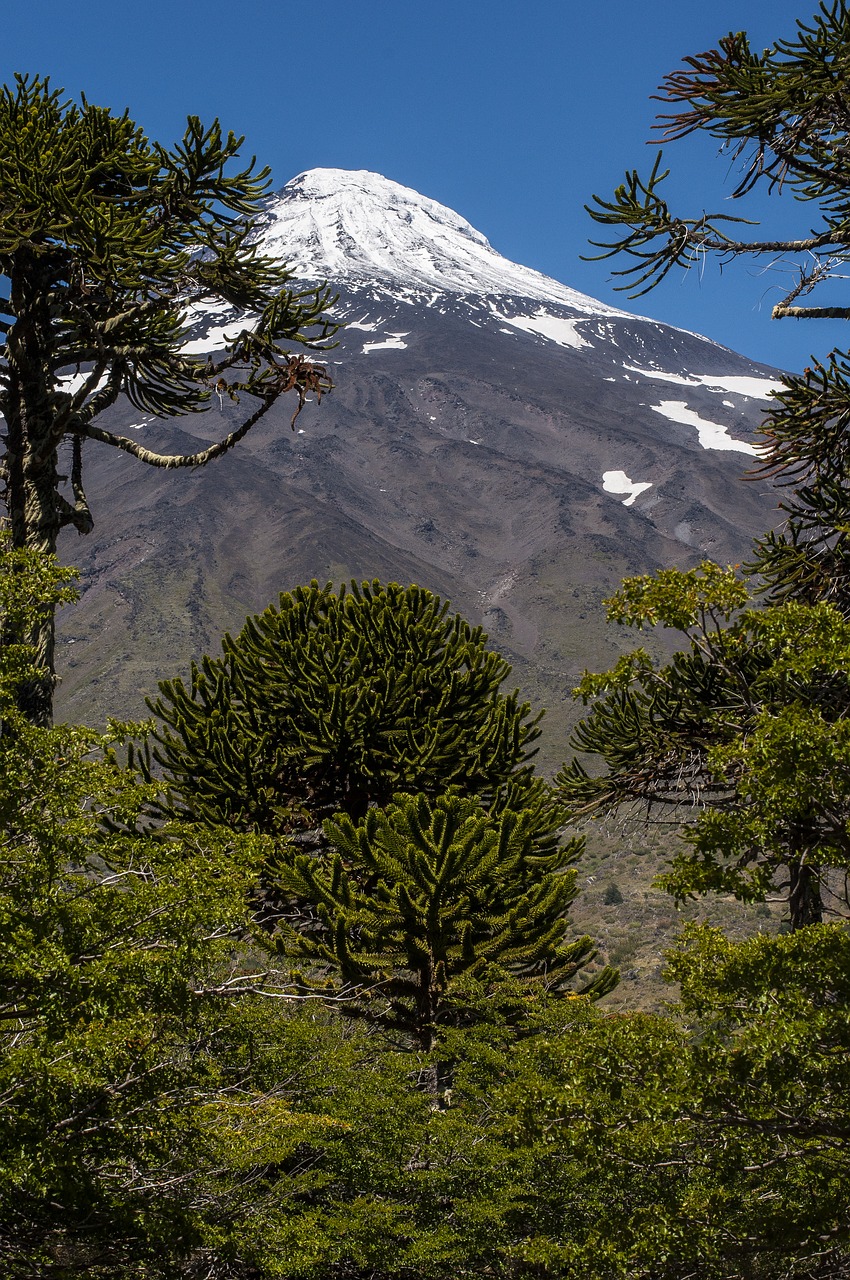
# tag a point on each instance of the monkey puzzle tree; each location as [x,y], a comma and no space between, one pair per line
[783,115]
[333,701]
[421,894]
[740,723]
[107,240]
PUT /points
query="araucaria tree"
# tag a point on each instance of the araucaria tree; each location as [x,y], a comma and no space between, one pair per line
[107,239]
[373,722]
[783,115]
[748,722]
[332,701]
[421,895]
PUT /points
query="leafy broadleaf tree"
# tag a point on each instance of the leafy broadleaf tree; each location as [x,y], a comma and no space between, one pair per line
[135,1131]
[421,895]
[109,1050]
[743,733]
[107,240]
[638,1147]
[333,701]
[713,1143]
[740,722]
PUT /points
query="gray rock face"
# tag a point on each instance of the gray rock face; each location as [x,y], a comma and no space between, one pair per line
[497,437]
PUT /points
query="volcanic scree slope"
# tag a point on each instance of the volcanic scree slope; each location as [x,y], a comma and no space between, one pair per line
[498,437]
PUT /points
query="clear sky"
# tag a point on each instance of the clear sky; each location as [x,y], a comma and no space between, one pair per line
[513,114]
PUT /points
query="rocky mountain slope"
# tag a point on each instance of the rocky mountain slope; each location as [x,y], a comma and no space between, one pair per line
[494,435]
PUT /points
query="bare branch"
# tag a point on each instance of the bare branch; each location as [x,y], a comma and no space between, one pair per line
[294,373]
[780,311]
[796,163]
[73,406]
[172,460]
[83,519]
[267,984]
[822,241]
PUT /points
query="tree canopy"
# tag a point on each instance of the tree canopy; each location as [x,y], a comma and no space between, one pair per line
[332,701]
[108,241]
[123,1017]
[782,115]
[421,895]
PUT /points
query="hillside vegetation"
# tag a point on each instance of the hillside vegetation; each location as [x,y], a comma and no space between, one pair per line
[314,976]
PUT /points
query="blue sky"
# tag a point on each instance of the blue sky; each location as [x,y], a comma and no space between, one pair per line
[514,115]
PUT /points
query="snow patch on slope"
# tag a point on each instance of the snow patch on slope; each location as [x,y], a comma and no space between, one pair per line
[71,383]
[711,435]
[618,482]
[393,342]
[214,337]
[752,387]
[555,328]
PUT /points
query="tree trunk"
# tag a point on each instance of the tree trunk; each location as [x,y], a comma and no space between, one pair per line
[31,496]
[437,1078]
[32,480]
[804,895]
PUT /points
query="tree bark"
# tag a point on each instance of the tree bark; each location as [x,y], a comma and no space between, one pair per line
[32,478]
[804,895]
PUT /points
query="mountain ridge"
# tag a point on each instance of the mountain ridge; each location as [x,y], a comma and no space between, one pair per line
[355,225]
[516,453]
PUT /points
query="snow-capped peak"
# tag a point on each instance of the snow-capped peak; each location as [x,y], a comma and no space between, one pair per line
[341,224]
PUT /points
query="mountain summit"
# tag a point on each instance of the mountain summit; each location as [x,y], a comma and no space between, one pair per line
[352,226]
[493,435]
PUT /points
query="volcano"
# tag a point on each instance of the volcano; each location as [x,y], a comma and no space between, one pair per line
[510,443]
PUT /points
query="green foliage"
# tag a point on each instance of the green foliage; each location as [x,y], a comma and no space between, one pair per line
[130,1126]
[162,1114]
[420,895]
[111,952]
[640,206]
[107,944]
[654,724]
[807,559]
[333,701]
[702,597]
[745,729]
[776,112]
[31,587]
[770,1081]
[714,1146]
[121,235]
[108,244]
[617,1148]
